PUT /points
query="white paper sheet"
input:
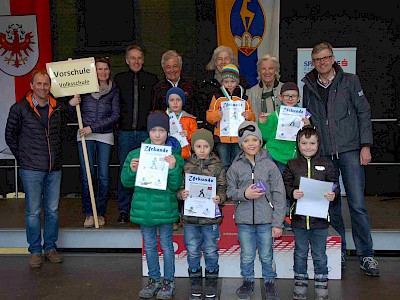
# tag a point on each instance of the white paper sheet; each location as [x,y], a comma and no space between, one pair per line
[232,117]
[289,122]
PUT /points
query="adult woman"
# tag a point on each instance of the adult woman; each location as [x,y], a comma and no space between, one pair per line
[264,96]
[100,113]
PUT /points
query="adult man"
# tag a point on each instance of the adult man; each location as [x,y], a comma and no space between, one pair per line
[171,63]
[33,133]
[342,116]
[136,94]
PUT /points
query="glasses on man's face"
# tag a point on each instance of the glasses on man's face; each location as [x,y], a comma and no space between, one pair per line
[287,97]
[250,128]
[322,59]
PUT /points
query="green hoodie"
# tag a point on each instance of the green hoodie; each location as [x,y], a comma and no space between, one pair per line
[152,207]
[280,150]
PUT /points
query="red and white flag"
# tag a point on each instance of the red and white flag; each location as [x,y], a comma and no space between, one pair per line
[25,45]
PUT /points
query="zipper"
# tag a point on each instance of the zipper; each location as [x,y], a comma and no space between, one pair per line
[309,176]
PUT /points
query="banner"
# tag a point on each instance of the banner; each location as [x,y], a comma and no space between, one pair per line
[251,29]
[72,77]
[25,45]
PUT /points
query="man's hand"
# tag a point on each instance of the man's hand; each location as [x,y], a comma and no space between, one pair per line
[365,155]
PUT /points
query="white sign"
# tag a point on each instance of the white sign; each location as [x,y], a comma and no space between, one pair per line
[232,117]
[201,191]
[289,122]
[152,172]
[313,203]
[175,129]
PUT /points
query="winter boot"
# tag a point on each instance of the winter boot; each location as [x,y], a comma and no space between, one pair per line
[245,291]
[300,286]
[321,287]
[211,284]
[270,291]
[196,284]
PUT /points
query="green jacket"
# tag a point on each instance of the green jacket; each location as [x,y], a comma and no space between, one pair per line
[152,207]
[280,150]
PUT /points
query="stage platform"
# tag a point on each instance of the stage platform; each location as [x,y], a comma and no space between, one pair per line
[383,213]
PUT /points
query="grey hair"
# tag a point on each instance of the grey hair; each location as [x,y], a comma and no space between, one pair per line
[269,57]
[133,47]
[320,47]
[212,64]
[168,55]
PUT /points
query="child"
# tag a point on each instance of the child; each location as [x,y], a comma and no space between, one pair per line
[156,209]
[230,90]
[175,101]
[280,150]
[309,229]
[203,233]
[259,212]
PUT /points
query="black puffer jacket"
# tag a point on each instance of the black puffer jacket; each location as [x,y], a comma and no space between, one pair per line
[320,169]
[34,145]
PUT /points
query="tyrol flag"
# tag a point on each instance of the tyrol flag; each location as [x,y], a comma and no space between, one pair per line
[251,29]
[25,45]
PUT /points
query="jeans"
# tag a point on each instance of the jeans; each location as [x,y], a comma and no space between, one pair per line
[317,239]
[227,153]
[127,141]
[41,187]
[198,238]
[354,182]
[101,153]
[250,238]
[150,240]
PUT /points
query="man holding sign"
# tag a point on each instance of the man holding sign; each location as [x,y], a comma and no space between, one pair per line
[33,133]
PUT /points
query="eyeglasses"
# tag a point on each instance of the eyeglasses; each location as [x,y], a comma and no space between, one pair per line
[287,97]
[102,58]
[322,59]
[250,128]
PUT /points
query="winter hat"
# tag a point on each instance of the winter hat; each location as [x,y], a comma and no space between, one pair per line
[203,134]
[289,86]
[158,118]
[179,92]
[248,128]
[230,71]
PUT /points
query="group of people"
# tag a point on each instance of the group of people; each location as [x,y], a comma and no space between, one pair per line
[335,140]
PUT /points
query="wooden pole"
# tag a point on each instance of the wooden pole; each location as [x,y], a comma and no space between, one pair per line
[88,173]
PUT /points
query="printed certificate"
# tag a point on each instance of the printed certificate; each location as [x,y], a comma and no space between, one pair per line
[289,122]
[232,117]
[175,128]
[201,191]
[152,172]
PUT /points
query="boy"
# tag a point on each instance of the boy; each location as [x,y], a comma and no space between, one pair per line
[156,209]
[203,233]
[281,150]
[309,230]
[230,90]
[259,212]
[175,101]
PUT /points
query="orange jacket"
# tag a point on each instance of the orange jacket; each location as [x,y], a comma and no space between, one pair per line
[189,124]
[213,113]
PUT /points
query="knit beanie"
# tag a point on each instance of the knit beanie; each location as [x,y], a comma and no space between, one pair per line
[203,134]
[158,118]
[250,128]
[289,86]
[177,91]
[230,71]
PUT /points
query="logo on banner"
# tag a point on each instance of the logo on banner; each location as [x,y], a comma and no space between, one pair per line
[19,50]
[247,21]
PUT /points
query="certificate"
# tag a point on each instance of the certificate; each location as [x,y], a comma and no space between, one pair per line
[289,122]
[152,172]
[201,191]
[232,117]
[313,203]
[175,129]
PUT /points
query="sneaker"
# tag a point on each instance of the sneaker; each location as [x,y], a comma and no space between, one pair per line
[101,220]
[245,291]
[53,257]
[370,266]
[343,261]
[270,291]
[35,260]
[152,287]
[89,222]
[123,218]
[167,290]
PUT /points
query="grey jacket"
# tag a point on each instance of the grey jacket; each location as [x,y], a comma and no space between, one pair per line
[345,123]
[257,211]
